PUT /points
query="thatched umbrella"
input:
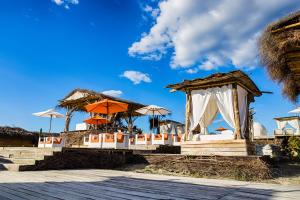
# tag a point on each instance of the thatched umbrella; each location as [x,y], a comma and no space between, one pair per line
[279,48]
[77,99]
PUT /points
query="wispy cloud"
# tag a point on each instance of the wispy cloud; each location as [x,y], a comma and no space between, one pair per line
[66,3]
[210,34]
[136,77]
[113,93]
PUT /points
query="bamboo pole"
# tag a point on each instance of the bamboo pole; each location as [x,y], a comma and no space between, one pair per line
[187,114]
[236,112]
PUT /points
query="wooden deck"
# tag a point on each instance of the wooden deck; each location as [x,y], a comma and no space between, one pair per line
[107,184]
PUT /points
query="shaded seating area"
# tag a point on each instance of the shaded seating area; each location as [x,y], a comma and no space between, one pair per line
[51,141]
[228,94]
[143,139]
[287,126]
[107,140]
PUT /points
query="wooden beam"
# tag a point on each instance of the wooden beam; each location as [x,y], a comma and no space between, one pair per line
[236,112]
[187,113]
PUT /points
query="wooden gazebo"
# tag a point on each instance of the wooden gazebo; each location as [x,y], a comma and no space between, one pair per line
[77,99]
[279,48]
[204,96]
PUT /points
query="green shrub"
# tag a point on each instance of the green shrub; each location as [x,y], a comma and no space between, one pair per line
[294,147]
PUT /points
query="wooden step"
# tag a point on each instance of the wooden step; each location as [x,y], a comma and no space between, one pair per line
[219,147]
[18,158]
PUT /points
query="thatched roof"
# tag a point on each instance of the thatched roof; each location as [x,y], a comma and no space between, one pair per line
[79,98]
[218,80]
[279,48]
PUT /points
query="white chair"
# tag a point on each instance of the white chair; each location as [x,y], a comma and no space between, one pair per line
[278,132]
[289,131]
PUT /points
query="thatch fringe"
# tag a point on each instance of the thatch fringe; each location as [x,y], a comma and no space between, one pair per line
[275,45]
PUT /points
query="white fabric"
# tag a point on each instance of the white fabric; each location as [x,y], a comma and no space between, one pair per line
[153,110]
[297,110]
[163,129]
[225,104]
[242,101]
[259,130]
[208,116]
[205,105]
[48,113]
[281,124]
[294,123]
[200,99]
[225,135]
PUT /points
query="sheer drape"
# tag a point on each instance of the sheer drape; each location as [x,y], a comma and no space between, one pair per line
[209,115]
[200,100]
[207,103]
[242,99]
[281,124]
[294,123]
[225,104]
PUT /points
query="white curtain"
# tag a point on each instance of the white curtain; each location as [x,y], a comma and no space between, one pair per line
[207,103]
[200,99]
[242,99]
[209,115]
[225,104]
[294,123]
[281,124]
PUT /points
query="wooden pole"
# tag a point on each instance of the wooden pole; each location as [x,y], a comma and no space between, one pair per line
[187,114]
[236,112]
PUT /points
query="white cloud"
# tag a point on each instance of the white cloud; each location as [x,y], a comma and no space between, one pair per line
[209,34]
[58,2]
[66,3]
[136,77]
[113,93]
[192,71]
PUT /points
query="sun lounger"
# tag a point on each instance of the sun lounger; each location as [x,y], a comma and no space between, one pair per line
[163,139]
[49,142]
[108,141]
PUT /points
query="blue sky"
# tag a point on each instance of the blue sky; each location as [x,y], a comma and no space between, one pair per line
[48,48]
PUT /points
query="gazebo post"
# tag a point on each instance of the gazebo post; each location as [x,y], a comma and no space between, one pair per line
[236,112]
[187,113]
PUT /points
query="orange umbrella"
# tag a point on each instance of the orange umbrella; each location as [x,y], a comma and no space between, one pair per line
[96,120]
[107,106]
[221,129]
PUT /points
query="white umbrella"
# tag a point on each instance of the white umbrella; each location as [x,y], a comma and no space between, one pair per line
[153,110]
[297,110]
[51,113]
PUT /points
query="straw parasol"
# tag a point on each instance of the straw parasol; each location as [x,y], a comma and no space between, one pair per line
[153,110]
[107,107]
[51,113]
[280,53]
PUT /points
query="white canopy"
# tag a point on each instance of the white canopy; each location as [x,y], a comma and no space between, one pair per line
[297,110]
[293,122]
[153,110]
[51,113]
[207,103]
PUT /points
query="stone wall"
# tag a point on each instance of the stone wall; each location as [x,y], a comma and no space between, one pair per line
[82,158]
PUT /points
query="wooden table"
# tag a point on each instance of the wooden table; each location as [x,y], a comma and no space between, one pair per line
[108,184]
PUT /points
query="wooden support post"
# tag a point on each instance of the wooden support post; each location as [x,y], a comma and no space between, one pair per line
[236,111]
[247,121]
[187,113]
